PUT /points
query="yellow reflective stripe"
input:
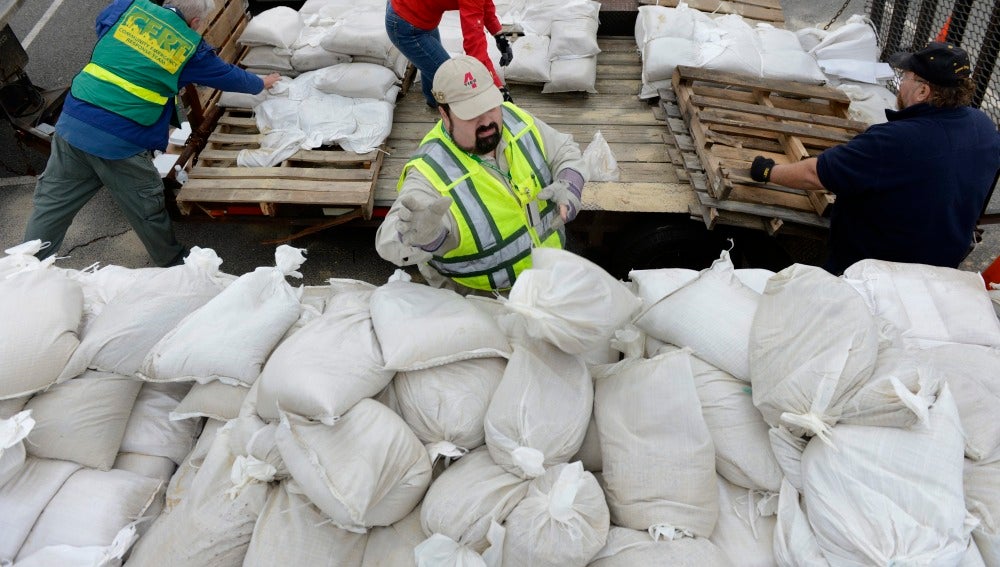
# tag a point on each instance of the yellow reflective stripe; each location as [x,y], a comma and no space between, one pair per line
[109,77]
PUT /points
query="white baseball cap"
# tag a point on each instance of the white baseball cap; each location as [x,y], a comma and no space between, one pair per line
[466,86]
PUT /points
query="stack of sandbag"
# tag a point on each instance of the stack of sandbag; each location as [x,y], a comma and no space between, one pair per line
[668,37]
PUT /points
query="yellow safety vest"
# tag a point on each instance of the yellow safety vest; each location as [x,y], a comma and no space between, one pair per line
[495,230]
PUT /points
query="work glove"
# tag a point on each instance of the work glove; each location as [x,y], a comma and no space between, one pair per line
[560,193]
[506,95]
[760,169]
[506,53]
[419,224]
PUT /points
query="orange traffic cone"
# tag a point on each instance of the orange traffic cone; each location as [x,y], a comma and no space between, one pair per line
[991,275]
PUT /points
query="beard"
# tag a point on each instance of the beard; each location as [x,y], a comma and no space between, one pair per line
[899,102]
[485,142]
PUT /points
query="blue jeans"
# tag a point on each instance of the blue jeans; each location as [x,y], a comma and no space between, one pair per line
[422,47]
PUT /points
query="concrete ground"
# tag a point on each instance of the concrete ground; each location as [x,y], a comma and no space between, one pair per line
[60,45]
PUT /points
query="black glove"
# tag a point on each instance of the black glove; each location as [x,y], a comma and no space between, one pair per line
[506,53]
[760,169]
[506,95]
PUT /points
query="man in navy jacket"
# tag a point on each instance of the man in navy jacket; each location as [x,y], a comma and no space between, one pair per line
[118,111]
[911,189]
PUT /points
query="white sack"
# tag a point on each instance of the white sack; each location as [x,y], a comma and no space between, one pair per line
[571,302]
[329,365]
[794,540]
[394,544]
[134,320]
[531,60]
[745,532]
[783,57]
[540,411]
[368,469]
[898,392]
[868,102]
[982,500]
[230,337]
[571,75]
[83,420]
[890,496]
[654,285]
[85,556]
[729,45]
[21,258]
[13,431]
[41,310]
[241,100]
[601,162]
[215,400]
[180,482]
[419,327]
[12,406]
[804,369]
[563,520]
[590,451]
[279,26]
[91,508]
[374,123]
[573,38]
[631,548]
[356,80]
[928,305]
[312,57]
[642,407]
[441,551]
[468,497]
[149,430]
[712,315]
[361,32]
[267,57]
[159,468]
[660,21]
[660,56]
[971,372]
[25,496]
[446,405]
[851,52]
[292,531]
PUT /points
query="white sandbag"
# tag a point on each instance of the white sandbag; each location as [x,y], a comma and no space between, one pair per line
[729,45]
[312,57]
[180,482]
[982,499]
[661,55]
[329,365]
[572,75]
[134,320]
[267,57]
[91,508]
[292,531]
[883,495]
[563,520]
[745,531]
[572,303]
[327,7]
[630,548]
[213,523]
[441,551]
[573,38]
[783,57]
[356,80]
[531,60]
[643,406]
[41,310]
[653,285]
[12,406]
[13,431]
[590,451]
[252,313]
[419,327]
[712,315]
[601,162]
[159,468]
[794,540]
[660,21]
[374,122]
[86,556]
[368,469]
[279,26]
[445,406]
[928,305]
[898,392]
[854,47]
[150,431]
[25,496]
[868,102]
[971,372]
[102,285]
[83,420]
[394,544]
[804,369]
[743,454]
[241,100]
[540,411]
[215,400]
[468,497]
[21,258]
[361,32]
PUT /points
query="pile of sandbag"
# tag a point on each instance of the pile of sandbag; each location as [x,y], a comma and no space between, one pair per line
[719,417]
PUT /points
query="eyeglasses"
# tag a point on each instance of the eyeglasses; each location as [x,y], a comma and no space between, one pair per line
[900,77]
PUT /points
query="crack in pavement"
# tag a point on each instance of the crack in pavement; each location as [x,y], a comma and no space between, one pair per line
[89,242]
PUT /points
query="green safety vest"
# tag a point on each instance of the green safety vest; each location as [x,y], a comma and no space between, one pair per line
[495,231]
[135,66]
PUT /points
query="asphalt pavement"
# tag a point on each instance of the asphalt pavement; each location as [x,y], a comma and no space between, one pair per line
[60,36]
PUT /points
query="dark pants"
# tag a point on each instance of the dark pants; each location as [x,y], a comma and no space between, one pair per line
[422,47]
[72,177]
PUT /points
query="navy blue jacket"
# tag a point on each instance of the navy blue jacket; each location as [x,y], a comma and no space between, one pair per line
[204,68]
[910,189]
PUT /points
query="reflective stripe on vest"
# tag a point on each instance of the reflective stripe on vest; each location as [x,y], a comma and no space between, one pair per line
[141,92]
[491,252]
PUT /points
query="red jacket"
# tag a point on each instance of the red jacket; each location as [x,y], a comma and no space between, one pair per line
[474,15]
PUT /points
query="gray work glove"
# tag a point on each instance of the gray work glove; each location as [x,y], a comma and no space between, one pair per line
[421,225]
[561,193]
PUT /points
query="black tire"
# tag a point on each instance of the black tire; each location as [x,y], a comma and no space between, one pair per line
[667,243]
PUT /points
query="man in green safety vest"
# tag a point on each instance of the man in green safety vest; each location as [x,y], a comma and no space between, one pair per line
[487,185]
[118,111]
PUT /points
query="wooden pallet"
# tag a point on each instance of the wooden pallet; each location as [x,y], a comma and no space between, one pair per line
[319,182]
[731,119]
[758,10]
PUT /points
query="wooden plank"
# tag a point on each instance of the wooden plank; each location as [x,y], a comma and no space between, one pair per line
[313,156]
[806,130]
[780,113]
[748,82]
[755,10]
[313,173]
[275,191]
[766,211]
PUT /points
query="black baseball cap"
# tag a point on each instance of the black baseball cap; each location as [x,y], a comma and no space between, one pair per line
[940,63]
